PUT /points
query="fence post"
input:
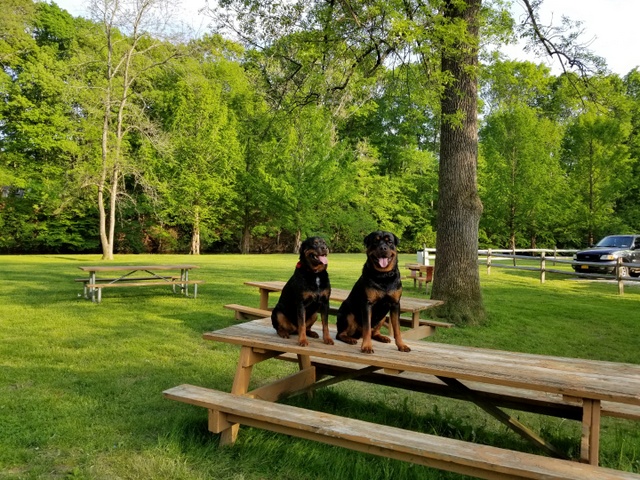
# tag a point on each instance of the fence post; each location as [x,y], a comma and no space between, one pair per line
[555,254]
[489,262]
[619,277]
[543,267]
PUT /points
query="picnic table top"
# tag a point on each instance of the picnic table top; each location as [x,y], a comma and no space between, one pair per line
[573,377]
[115,268]
[407,304]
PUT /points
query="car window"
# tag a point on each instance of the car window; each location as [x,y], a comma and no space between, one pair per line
[636,244]
[621,241]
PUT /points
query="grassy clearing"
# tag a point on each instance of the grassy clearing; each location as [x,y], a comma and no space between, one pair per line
[80,383]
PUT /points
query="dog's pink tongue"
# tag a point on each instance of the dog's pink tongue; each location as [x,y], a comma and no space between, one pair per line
[323,259]
[383,262]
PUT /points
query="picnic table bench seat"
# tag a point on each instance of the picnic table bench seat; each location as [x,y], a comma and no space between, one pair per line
[146,283]
[129,279]
[420,448]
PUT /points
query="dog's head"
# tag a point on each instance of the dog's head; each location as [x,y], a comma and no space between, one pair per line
[381,250]
[313,254]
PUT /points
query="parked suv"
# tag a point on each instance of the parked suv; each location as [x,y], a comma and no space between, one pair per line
[607,251]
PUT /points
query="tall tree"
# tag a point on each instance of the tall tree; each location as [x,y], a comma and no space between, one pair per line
[596,157]
[459,206]
[199,168]
[332,48]
[131,34]
[522,182]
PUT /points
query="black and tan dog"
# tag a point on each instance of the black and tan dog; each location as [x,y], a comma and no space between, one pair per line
[376,294]
[305,295]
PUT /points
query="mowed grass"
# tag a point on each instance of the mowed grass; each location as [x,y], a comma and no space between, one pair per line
[81,383]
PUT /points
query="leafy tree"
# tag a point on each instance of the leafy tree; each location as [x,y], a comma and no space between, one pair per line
[523,184]
[42,211]
[627,206]
[304,172]
[199,169]
[128,52]
[596,158]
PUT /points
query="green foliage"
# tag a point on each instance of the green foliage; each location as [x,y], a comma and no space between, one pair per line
[331,127]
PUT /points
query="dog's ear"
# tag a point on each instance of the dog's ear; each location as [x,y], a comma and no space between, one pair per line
[368,240]
[305,245]
[396,240]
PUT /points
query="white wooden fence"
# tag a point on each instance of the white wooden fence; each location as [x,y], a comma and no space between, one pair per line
[549,257]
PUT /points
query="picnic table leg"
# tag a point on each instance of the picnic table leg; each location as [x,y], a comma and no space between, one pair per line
[590,440]
[240,387]
[92,281]
[264,299]
[184,276]
[415,320]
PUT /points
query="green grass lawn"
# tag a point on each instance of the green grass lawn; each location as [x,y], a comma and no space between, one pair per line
[81,383]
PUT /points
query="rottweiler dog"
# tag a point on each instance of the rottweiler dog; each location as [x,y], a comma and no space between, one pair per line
[305,295]
[375,295]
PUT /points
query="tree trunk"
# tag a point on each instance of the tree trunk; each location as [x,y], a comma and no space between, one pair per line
[298,242]
[456,276]
[245,243]
[195,236]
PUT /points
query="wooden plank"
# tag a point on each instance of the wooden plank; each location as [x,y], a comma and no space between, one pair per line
[117,268]
[127,279]
[285,387]
[243,312]
[616,382]
[407,304]
[144,284]
[507,397]
[429,450]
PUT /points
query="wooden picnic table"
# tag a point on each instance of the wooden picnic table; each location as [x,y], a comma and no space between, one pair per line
[414,306]
[420,273]
[583,383]
[133,276]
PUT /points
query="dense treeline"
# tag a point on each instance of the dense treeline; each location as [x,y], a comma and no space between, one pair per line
[109,135]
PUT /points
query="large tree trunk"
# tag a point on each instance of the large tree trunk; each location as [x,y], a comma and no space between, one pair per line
[195,236]
[456,276]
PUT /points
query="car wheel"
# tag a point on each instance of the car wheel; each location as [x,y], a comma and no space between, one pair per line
[635,273]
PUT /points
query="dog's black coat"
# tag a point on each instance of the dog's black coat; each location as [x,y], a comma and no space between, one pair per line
[305,295]
[375,295]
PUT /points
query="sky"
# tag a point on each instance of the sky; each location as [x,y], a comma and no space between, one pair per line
[609,26]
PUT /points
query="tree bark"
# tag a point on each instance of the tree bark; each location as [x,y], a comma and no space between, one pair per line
[456,275]
[195,236]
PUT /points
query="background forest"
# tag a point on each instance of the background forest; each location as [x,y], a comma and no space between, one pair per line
[121,131]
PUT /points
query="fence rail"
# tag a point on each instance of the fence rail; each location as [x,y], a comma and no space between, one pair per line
[486,257]
[541,256]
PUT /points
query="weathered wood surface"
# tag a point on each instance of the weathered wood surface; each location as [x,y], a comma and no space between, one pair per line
[117,268]
[407,304]
[610,381]
[429,450]
[146,283]
[516,398]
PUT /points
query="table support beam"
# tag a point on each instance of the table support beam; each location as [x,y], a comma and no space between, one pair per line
[504,418]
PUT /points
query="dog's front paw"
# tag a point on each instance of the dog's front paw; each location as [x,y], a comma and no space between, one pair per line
[312,334]
[303,342]
[366,349]
[404,348]
[283,333]
[328,341]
